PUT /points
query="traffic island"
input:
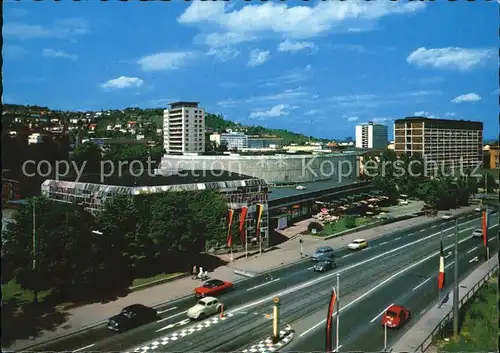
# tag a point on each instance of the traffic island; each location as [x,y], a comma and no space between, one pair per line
[285,337]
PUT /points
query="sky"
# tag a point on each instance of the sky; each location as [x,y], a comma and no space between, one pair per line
[317,67]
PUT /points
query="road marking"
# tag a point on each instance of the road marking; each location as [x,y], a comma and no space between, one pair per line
[166,310]
[474,259]
[170,317]
[385,242]
[421,284]
[383,311]
[449,254]
[389,279]
[471,250]
[310,268]
[180,323]
[337,348]
[263,284]
[451,263]
[322,278]
[397,238]
[81,349]
[434,226]
[450,235]
[348,255]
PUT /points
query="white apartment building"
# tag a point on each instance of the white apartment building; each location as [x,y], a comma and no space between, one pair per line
[371,135]
[234,140]
[184,128]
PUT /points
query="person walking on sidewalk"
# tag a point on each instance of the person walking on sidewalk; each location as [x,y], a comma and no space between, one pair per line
[301,247]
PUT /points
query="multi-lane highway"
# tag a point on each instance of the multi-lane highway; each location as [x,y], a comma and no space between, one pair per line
[369,279]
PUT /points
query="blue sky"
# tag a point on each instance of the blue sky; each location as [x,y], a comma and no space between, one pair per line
[312,67]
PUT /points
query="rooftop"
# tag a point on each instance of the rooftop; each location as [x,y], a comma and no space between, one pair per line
[183,104]
[145,179]
[279,192]
[422,118]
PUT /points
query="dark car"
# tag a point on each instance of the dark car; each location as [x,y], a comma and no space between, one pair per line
[131,317]
[324,265]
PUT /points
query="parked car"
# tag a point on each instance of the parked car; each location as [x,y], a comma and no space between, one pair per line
[477,233]
[212,287]
[357,244]
[204,308]
[323,251]
[131,317]
[447,216]
[396,316]
[325,265]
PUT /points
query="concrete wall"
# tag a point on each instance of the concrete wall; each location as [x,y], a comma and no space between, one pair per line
[271,168]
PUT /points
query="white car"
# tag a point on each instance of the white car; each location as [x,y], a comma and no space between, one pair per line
[447,216]
[357,244]
[204,308]
[477,233]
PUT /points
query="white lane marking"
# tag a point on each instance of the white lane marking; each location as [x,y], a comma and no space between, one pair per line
[348,255]
[451,263]
[322,278]
[167,310]
[434,226]
[449,254]
[263,284]
[387,280]
[383,311]
[337,348]
[170,317]
[385,242]
[180,323]
[450,235]
[81,349]
[310,268]
[397,238]
[421,284]
[474,259]
[410,233]
[471,250]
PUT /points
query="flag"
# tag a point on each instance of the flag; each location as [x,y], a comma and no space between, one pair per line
[485,229]
[329,318]
[229,226]
[441,268]
[243,216]
[260,209]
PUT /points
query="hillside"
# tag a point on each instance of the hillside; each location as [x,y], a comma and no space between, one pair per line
[150,117]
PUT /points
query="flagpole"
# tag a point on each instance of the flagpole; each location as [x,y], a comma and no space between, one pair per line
[338,315]
[246,244]
[455,285]
[260,243]
[439,289]
[385,337]
[231,256]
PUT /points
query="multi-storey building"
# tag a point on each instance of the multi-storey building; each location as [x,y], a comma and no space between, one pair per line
[442,143]
[371,135]
[234,140]
[184,128]
[264,142]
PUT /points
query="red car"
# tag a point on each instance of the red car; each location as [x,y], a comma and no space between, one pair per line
[396,316]
[212,288]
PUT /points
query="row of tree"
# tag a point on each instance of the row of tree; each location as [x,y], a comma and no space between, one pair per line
[76,254]
[406,175]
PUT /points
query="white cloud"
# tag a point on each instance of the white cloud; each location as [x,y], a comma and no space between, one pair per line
[165,60]
[450,114]
[469,97]
[52,53]
[258,57]
[313,112]
[59,29]
[294,76]
[352,118]
[450,58]
[122,82]
[288,45]
[292,21]
[426,115]
[382,120]
[289,95]
[223,54]
[276,111]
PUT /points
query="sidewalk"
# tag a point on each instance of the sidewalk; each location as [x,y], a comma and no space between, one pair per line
[418,337]
[286,253]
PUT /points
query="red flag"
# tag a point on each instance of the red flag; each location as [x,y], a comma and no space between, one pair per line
[260,208]
[485,229]
[329,319]
[441,268]
[243,216]
[229,226]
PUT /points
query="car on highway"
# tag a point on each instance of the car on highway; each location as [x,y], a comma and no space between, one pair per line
[395,316]
[212,287]
[204,308]
[477,233]
[478,209]
[323,251]
[325,265]
[132,316]
[357,244]
[447,216]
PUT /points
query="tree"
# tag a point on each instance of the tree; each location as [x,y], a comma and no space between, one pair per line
[64,247]
[314,227]
[350,221]
[89,156]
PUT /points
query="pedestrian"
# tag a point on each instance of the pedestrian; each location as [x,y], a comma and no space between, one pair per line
[195,272]
[301,247]
[200,275]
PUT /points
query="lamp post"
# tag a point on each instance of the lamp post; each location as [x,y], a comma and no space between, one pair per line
[276,325]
